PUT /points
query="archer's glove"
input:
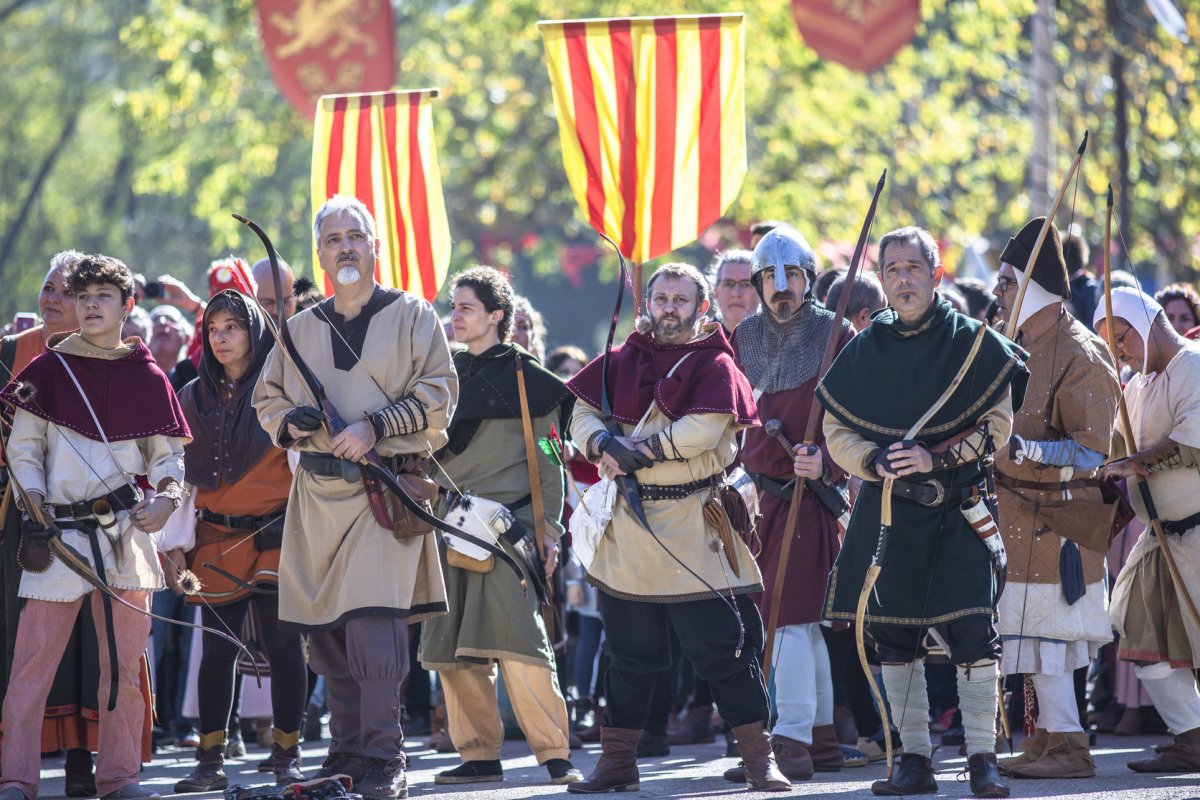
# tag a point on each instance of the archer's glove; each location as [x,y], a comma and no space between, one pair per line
[628,460]
[305,418]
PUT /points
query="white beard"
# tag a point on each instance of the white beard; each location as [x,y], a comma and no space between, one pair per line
[348,275]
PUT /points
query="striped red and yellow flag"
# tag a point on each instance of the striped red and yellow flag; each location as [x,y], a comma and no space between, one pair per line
[379,148]
[652,122]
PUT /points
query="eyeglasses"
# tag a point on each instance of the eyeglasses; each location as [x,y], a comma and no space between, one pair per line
[1120,340]
[1004,282]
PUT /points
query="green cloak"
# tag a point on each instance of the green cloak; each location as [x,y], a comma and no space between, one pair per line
[935,569]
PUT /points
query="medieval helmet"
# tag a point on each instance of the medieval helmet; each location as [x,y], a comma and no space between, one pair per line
[783,246]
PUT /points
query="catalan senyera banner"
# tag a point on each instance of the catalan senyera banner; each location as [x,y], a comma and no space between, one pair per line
[379,147]
[652,123]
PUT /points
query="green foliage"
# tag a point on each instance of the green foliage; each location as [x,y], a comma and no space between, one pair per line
[177,123]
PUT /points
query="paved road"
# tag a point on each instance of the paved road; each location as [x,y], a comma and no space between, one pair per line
[695,772]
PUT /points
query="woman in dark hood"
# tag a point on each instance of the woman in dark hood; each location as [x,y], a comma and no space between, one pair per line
[240,483]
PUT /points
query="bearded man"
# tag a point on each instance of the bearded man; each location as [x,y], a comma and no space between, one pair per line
[678,402]
[780,349]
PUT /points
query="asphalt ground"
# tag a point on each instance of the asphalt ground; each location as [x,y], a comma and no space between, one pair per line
[694,771]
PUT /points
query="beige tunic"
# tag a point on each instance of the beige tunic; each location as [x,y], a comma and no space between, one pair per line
[337,561]
[1163,406]
[67,467]
[629,564]
[1072,393]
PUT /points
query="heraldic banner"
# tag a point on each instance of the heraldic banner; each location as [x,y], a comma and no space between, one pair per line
[379,148]
[652,122]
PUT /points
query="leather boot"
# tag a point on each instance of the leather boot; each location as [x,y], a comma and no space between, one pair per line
[1065,755]
[913,774]
[80,779]
[285,758]
[793,758]
[1182,755]
[985,776]
[758,758]
[826,750]
[439,734]
[383,779]
[616,771]
[209,773]
[592,734]
[696,728]
[1031,750]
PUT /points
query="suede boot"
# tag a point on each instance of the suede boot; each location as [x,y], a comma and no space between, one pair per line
[616,771]
[758,758]
[209,773]
[985,776]
[285,758]
[696,728]
[793,758]
[913,774]
[1182,755]
[1031,750]
[826,750]
[80,779]
[1066,755]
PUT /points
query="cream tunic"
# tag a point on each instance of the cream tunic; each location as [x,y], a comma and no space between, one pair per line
[67,467]
[629,563]
[337,562]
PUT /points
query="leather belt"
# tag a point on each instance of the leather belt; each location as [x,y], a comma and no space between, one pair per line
[679,491]
[122,499]
[930,493]
[1065,486]
[240,523]
[774,486]
[1181,526]
[330,466]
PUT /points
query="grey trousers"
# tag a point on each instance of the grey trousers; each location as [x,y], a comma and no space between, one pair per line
[363,661]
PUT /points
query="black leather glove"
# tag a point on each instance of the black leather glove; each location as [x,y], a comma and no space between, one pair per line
[306,418]
[628,460]
[883,456]
[34,530]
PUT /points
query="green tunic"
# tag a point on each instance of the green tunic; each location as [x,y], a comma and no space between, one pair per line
[489,617]
[935,569]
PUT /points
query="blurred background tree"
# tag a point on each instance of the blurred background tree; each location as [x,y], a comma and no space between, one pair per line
[136,127]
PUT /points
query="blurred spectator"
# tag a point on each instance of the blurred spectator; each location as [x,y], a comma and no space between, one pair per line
[736,298]
[824,281]
[1084,286]
[307,293]
[760,229]
[138,324]
[565,361]
[529,328]
[954,297]
[1182,305]
[866,297]
[170,335]
[266,287]
[978,298]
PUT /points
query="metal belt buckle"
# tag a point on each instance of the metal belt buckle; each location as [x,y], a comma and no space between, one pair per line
[939,492]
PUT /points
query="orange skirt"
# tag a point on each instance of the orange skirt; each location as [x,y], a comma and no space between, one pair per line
[234,552]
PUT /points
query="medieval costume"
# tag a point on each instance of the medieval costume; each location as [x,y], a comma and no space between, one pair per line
[782,359]
[344,579]
[239,482]
[673,572]
[1150,613]
[491,622]
[936,573]
[1053,518]
[72,716]
[58,449]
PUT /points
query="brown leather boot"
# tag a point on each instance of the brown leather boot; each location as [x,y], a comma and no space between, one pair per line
[759,760]
[696,728]
[1031,750]
[209,773]
[1182,755]
[285,758]
[793,758]
[592,734]
[439,734]
[616,771]
[1065,755]
[826,750]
